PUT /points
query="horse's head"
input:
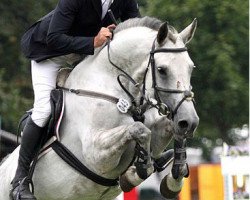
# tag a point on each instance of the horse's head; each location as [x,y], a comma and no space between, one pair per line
[171,66]
[171,73]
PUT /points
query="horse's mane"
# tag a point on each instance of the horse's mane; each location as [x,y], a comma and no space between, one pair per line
[149,22]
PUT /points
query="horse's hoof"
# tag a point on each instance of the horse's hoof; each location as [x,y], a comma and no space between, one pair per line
[125,185]
[165,190]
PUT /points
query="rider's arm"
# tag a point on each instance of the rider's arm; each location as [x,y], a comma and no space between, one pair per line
[59,27]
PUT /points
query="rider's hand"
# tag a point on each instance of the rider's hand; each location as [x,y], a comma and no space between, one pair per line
[103,35]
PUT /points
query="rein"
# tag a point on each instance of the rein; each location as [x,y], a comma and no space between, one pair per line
[162,107]
[136,110]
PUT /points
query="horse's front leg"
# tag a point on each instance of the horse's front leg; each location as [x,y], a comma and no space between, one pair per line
[162,131]
[114,148]
[170,187]
[172,183]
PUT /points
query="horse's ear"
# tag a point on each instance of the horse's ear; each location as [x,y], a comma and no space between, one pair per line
[188,33]
[162,33]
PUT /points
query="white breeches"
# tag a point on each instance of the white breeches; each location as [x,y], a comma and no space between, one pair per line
[44,80]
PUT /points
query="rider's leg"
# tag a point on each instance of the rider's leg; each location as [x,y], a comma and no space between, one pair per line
[44,80]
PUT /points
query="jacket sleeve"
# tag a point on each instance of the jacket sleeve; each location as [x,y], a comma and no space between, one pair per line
[61,22]
[130,10]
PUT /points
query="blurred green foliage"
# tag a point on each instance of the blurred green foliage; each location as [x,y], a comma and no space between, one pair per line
[219,50]
[16,95]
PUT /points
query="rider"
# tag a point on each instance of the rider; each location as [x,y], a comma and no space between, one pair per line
[73,29]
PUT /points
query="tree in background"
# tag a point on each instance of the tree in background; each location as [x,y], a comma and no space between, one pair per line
[219,50]
[16,93]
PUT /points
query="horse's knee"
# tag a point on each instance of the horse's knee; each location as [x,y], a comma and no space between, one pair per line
[139,131]
[170,187]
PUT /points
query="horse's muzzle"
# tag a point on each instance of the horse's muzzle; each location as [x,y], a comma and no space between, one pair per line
[185,128]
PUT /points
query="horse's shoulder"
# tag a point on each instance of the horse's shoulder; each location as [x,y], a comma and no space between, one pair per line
[62,76]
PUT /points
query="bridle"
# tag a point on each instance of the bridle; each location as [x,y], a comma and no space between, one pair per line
[179,145]
[162,107]
[137,110]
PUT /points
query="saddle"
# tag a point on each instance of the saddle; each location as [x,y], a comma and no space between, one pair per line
[51,138]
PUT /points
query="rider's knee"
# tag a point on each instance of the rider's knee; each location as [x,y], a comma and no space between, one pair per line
[41,117]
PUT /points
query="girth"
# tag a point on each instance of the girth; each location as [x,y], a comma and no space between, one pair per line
[73,161]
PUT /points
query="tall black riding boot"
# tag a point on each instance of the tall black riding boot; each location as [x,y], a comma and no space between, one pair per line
[30,146]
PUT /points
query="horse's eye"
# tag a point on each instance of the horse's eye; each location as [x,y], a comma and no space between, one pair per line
[161,70]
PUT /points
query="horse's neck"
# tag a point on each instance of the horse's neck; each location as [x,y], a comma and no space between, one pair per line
[131,48]
[97,72]
[131,52]
[92,74]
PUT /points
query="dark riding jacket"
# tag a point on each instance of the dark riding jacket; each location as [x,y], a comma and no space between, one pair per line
[71,28]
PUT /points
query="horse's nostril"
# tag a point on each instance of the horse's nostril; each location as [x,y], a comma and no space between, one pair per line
[183,124]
